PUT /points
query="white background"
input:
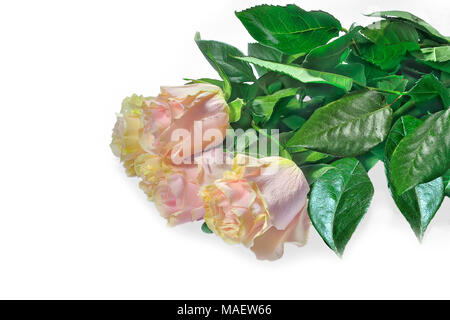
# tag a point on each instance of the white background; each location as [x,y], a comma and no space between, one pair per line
[72,225]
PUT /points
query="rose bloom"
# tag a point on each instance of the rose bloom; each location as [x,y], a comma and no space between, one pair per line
[184,120]
[175,188]
[261,203]
[125,138]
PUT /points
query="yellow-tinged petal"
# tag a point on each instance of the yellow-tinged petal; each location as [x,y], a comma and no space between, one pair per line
[260,203]
[125,138]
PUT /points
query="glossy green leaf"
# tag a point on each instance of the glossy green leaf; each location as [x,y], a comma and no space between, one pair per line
[443,66]
[349,126]
[289,29]
[244,91]
[309,156]
[313,172]
[302,74]
[338,201]
[226,88]
[429,87]
[436,54]
[393,83]
[235,109]
[371,71]
[293,122]
[390,42]
[423,155]
[261,51]
[371,158]
[356,71]
[420,204]
[368,160]
[416,21]
[262,107]
[222,53]
[328,56]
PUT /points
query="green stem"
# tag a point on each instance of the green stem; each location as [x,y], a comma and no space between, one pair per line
[387,91]
[396,99]
[379,89]
[404,108]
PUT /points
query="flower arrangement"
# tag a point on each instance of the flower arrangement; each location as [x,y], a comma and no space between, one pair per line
[261,157]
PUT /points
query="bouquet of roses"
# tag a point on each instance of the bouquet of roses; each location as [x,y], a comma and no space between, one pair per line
[287,135]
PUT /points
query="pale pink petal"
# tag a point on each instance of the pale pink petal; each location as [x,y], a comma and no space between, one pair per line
[184,120]
[270,245]
[282,184]
[213,163]
[189,90]
[209,113]
[175,188]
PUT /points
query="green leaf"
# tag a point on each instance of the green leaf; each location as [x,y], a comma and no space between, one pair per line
[423,155]
[436,54]
[261,51]
[368,160]
[328,56]
[280,149]
[215,82]
[205,228]
[390,42]
[356,71]
[293,122]
[309,156]
[346,127]
[262,107]
[222,53]
[313,172]
[244,91]
[429,87]
[371,158]
[302,74]
[416,21]
[445,79]
[393,83]
[371,71]
[235,109]
[226,88]
[447,183]
[443,66]
[289,29]
[338,201]
[420,204]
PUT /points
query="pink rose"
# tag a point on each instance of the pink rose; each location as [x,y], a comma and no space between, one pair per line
[175,188]
[184,120]
[260,200]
